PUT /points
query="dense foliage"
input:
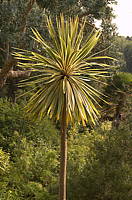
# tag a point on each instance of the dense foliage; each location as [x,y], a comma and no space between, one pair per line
[118,92]
[99,161]
[30,152]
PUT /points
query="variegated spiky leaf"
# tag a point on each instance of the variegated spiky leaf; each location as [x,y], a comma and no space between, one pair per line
[66,72]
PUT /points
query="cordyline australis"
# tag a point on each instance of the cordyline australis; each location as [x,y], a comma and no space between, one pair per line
[63,82]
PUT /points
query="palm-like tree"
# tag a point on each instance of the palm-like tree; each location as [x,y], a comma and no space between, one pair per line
[66,69]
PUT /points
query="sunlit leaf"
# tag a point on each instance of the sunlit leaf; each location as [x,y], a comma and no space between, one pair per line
[65,72]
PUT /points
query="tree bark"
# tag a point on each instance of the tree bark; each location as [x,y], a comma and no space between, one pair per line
[63,155]
[18,74]
[6,73]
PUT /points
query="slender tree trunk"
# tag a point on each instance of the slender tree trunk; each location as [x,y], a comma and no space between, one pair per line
[63,156]
[5,70]
[11,92]
[25,16]
[119,108]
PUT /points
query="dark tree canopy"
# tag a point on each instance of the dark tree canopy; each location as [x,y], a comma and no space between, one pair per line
[18,16]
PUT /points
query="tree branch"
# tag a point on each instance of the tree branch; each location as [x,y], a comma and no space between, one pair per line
[18,74]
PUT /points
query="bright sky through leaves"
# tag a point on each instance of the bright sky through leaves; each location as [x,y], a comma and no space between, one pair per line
[123,12]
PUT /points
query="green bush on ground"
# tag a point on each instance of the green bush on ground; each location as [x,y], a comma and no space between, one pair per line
[99,161]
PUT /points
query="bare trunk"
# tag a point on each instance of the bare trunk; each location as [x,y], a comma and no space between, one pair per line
[63,158]
[5,70]
[17,74]
[118,113]
[12,88]
[6,73]
[25,15]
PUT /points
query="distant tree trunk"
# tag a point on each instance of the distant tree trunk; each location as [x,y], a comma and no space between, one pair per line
[119,108]
[25,15]
[5,70]
[63,156]
[12,91]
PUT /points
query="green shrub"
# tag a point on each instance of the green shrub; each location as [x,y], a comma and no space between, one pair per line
[33,150]
[99,161]
[100,165]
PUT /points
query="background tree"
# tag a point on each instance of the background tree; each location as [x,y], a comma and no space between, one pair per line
[124,47]
[18,16]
